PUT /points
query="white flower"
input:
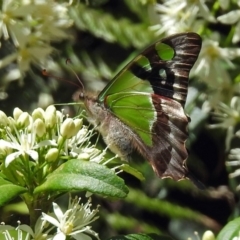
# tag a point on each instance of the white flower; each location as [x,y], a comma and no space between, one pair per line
[234,157]
[32,26]
[213,62]
[232,18]
[180,16]
[77,142]
[234,163]
[39,232]
[10,26]
[25,144]
[224,4]
[39,20]
[74,222]
[227,117]
[79,149]
[25,230]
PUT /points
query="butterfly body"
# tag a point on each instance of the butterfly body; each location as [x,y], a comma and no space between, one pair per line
[142,108]
[118,136]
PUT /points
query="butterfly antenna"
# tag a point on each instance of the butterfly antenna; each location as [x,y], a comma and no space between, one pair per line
[68,61]
[47,74]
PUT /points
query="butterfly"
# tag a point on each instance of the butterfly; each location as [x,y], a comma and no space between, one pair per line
[142,108]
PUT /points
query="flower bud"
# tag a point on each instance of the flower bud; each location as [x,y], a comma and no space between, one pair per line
[84,156]
[11,123]
[50,109]
[23,120]
[16,113]
[50,117]
[39,127]
[3,119]
[20,178]
[38,114]
[208,235]
[52,155]
[59,116]
[67,128]
[4,151]
[78,125]
[60,140]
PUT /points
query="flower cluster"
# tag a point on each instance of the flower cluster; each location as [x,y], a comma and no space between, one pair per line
[214,62]
[227,115]
[42,140]
[232,18]
[181,16]
[31,26]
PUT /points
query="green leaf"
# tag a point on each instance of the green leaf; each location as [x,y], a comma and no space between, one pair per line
[121,223]
[140,237]
[231,230]
[133,171]
[77,175]
[9,191]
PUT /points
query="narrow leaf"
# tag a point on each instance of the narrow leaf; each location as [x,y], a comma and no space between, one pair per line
[141,237]
[133,171]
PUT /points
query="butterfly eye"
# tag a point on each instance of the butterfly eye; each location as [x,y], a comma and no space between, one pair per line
[162,74]
[81,95]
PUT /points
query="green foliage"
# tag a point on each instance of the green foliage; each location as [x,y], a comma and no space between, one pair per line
[133,171]
[141,237]
[231,230]
[111,29]
[162,207]
[9,191]
[123,223]
[77,175]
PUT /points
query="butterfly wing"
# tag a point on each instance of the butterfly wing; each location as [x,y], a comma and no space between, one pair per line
[148,96]
[160,125]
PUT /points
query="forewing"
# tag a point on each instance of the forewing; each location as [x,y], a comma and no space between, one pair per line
[163,69]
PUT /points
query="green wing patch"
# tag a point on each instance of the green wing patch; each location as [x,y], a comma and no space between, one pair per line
[136,110]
